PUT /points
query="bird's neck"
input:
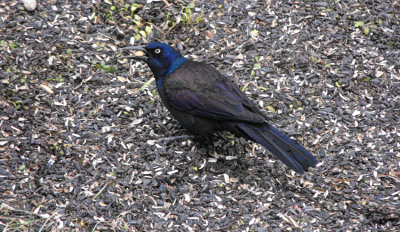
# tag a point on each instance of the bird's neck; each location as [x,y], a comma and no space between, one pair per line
[174,65]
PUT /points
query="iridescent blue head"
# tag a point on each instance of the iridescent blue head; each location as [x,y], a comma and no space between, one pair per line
[161,58]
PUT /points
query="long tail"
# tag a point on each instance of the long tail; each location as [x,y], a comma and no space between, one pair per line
[290,152]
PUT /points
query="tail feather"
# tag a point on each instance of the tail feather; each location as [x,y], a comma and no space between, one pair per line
[288,151]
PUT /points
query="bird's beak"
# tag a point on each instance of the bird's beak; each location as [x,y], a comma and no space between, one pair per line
[140,53]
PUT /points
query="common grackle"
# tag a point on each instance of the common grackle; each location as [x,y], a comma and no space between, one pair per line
[203,101]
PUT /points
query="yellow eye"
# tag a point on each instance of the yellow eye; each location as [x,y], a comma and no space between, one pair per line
[157,51]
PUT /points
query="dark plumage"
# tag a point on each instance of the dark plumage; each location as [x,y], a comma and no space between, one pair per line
[204,101]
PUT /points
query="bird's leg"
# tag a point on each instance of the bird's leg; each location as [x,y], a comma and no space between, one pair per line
[176,138]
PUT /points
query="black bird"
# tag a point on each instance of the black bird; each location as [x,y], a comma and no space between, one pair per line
[204,101]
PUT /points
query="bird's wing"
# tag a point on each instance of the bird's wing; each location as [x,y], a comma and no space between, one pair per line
[206,93]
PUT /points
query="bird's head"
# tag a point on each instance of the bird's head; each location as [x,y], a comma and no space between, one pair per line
[161,58]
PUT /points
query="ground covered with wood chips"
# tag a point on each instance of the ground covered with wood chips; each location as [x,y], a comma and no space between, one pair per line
[85,139]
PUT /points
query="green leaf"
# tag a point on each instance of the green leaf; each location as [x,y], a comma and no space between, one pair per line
[366,30]
[314,59]
[137,37]
[358,24]
[245,86]
[148,30]
[109,69]
[257,66]
[271,109]
[17,104]
[143,34]
[106,68]
[253,32]
[200,18]
[133,8]
[14,45]
[367,79]
[137,23]
[146,84]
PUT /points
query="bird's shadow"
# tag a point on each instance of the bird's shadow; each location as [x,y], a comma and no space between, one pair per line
[244,166]
[223,151]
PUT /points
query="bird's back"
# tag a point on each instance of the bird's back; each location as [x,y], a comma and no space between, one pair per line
[194,75]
